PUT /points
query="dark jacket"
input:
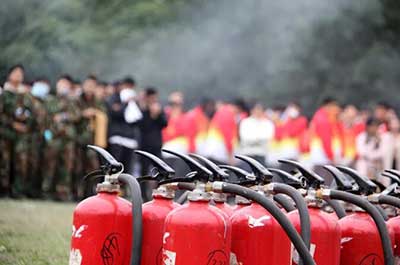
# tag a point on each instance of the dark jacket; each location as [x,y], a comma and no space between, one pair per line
[151,130]
[117,126]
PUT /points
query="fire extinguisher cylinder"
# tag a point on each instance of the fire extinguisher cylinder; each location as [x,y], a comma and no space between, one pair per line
[272,209]
[371,210]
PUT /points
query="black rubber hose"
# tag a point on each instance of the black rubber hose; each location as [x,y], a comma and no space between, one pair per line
[389,200]
[337,208]
[274,210]
[382,212]
[374,213]
[137,225]
[186,186]
[305,223]
[283,201]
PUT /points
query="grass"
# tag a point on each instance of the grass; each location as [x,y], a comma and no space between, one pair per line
[35,232]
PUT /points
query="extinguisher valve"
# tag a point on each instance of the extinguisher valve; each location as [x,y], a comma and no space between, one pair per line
[199,194]
[164,191]
[219,197]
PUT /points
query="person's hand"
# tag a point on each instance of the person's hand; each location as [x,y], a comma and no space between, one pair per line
[58,118]
[89,112]
[20,127]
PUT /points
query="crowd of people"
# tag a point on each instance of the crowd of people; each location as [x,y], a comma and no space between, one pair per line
[44,133]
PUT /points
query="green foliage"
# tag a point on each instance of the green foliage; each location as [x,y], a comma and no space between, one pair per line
[75,36]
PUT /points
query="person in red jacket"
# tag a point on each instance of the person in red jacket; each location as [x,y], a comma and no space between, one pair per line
[326,140]
[351,127]
[291,131]
[223,132]
[197,123]
[174,135]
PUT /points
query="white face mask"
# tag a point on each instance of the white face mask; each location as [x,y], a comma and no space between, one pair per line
[293,113]
[40,89]
[126,94]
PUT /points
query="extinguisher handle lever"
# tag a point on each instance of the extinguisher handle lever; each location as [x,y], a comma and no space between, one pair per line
[341,181]
[392,174]
[245,177]
[112,165]
[262,174]
[365,186]
[287,178]
[313,180]
[164,171]
[218,173]
[392,190]
[203,173]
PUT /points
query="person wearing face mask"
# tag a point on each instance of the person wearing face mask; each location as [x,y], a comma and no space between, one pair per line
[59,136]
[124,117]
[39,92]
[291,131]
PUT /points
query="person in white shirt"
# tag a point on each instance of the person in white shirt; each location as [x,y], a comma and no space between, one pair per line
[255,132]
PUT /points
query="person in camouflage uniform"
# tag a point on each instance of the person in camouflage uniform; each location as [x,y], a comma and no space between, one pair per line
[39,94]
[6,141]
[18,122]
[63,114]
[87,160]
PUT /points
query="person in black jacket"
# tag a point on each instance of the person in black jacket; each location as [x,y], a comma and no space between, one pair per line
[124,117]
[154,120]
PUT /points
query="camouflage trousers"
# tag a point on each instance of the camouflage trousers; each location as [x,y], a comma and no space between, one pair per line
[59,155]
[21,178]
[5,165]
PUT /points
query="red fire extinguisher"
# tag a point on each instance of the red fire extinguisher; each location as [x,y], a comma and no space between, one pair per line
[394,222]
[361,241]
[155,211]
[257,237]
[102,224]
[196,233]
[228,188]
[219,199]
[325,230]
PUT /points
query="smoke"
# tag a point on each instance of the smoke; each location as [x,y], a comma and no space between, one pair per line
[229,48]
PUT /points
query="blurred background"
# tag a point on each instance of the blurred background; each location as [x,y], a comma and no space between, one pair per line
[310,80]
[271,50]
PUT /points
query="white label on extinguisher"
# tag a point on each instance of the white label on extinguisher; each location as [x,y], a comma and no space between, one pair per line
[75,257]
[257,222]
[169,257]
[345,240]
[77,233]
[166,235]
[396,260]
[295,254]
